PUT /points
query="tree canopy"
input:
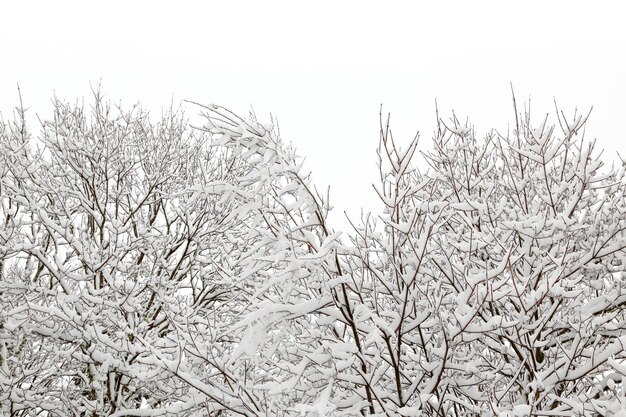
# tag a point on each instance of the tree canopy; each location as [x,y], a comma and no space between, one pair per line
[158,268]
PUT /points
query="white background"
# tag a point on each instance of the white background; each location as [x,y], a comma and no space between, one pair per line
[324,68]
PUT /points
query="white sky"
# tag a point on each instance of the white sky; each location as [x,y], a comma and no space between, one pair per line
[323,68]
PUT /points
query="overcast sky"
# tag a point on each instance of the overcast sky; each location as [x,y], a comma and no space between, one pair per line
[323,68]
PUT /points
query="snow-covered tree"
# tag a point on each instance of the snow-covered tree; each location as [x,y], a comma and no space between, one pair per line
[494,281]
[155,268]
